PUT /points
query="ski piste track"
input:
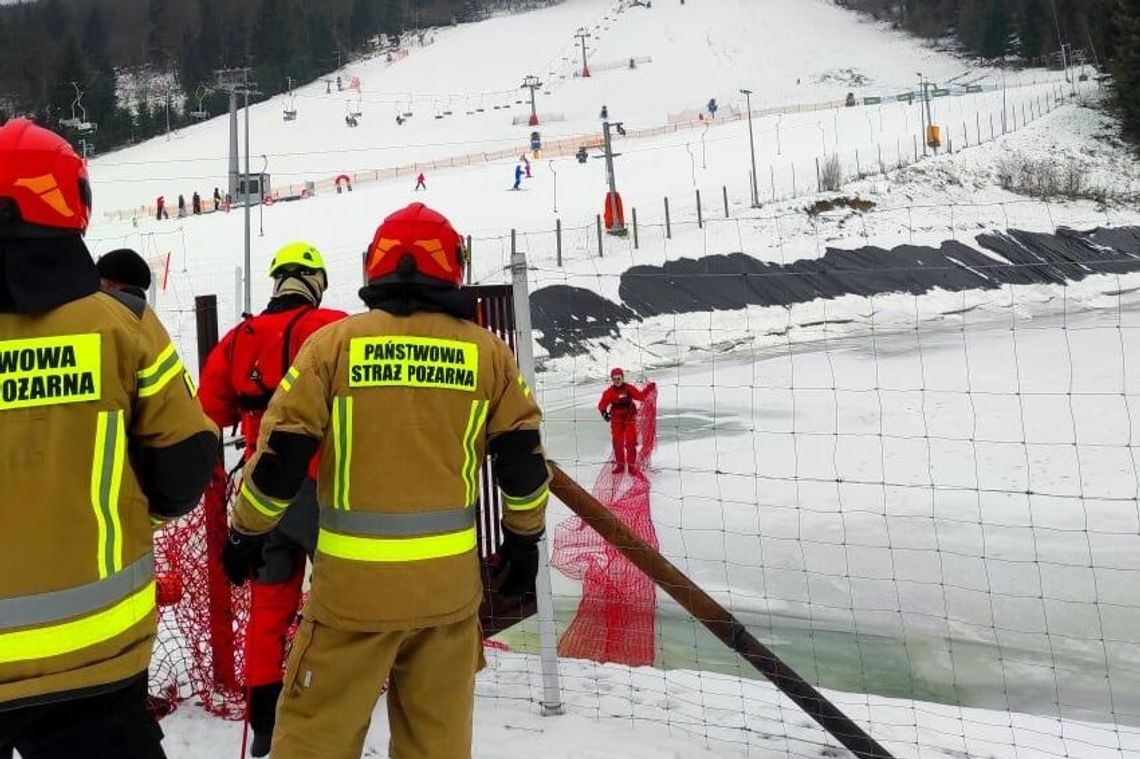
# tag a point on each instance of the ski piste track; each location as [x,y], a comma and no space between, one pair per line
[616,617]
[561,147]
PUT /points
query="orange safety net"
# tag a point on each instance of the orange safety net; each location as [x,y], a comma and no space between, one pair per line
[201,622]
[616,617]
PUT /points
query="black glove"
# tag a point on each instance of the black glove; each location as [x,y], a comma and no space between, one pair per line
[518,564]
[606,415]
[241,557]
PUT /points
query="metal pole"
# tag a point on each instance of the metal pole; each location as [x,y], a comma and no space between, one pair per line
[668,225]
[636,243]
[600,249]
[700,217]
[752,146]
[237,294]
[248,291]
[262,193]
[724,189]
[469,267]
[547,636]
[558,236]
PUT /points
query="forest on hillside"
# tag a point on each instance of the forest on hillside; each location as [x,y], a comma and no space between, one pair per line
[1105,33]
[167,52]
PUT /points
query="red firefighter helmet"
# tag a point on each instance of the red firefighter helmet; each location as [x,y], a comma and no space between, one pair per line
[413,243]
[617,372]
[44,190]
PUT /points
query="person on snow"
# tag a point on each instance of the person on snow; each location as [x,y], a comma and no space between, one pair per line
[102,439]
[196,203]
[605,114]
[240,376]
[160,206]
[526,164]
[618,407]
[518,176]
[404,402]
[181,206]
[712,107]
[421,182]
[124,270]
[217,199]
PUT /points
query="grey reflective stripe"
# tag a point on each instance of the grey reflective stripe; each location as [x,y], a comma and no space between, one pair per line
[60,605]
[375,524]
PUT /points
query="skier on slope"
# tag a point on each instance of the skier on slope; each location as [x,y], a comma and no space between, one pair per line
[404,402]
[518,176]
[240,376]
[618,407]
[421,182]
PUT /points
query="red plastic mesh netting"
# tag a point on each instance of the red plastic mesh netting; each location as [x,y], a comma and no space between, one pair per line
[616,617]
[201,622]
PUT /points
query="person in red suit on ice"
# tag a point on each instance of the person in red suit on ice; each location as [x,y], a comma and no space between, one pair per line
[619,407]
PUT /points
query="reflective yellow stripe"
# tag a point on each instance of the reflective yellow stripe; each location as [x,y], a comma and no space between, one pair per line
[106,479]
[270,507]
[395,549]
[67,637]
[523,385]
[527,503]
[289,378]
[342,447]
[157,376]
[475,422]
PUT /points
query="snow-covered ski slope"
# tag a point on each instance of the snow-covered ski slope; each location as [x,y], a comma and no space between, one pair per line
[702,51]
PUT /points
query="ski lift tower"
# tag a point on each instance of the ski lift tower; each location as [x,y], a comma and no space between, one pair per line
[531,82]
[583,34]
[290,112]
[236,82]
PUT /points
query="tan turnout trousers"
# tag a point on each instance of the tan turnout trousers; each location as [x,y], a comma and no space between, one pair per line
[334,678]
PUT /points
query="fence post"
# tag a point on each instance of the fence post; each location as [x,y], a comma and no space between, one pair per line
[965,134]
[949,141]
[469,267]
[700,215]
[991,127]
[724,188]
[794,192]
[915,140]
[599,218]
[558,238]
[214,510]
[636,242]
[668,226]
[772,177]
[238,294]
[858,167]
[544,595]
[978,124]
[882,168]
[818,177]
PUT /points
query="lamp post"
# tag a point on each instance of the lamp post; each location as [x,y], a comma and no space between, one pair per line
[752,145]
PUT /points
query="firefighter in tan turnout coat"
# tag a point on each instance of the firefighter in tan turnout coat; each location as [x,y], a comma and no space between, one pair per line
[101,438]
[404,402]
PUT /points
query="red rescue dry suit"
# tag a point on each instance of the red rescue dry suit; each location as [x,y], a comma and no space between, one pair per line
[617,405]
[237,382]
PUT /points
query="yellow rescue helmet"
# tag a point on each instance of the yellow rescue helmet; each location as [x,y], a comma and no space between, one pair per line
[299,255]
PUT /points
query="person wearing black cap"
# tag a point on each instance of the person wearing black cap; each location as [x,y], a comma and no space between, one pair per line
[124,270]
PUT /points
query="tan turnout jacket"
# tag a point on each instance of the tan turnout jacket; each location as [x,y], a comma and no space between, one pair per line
[404,407]
[84,388]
